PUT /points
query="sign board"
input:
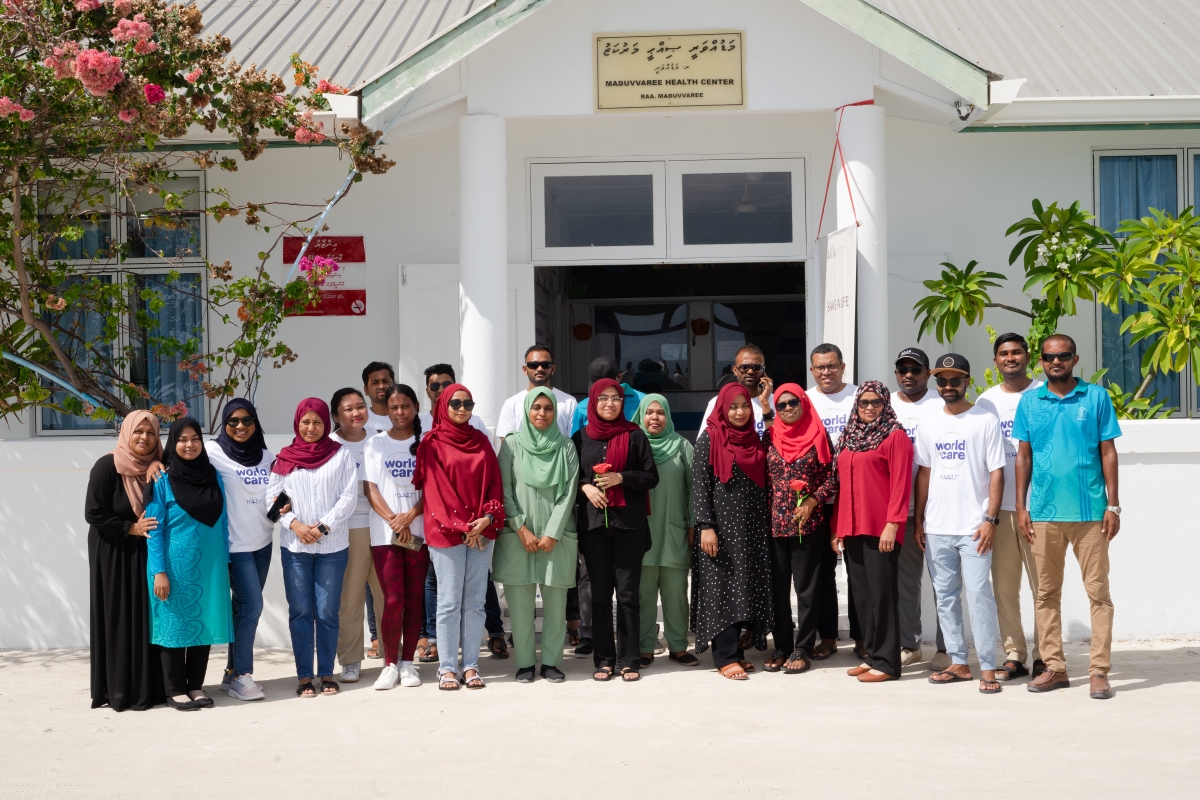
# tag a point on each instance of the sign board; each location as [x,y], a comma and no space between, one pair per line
[841,292]
[644,71]
[344,293]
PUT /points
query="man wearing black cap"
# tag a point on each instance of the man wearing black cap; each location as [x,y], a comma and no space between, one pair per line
[913,402]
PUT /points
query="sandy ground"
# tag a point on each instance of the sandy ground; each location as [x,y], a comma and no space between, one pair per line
[677,733]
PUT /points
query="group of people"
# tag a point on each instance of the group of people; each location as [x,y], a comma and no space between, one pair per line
[605,512]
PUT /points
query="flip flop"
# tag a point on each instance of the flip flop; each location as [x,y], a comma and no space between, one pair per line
[797,655]
[775,662]
[823,651]
[954,677]
[983,682]
[1011,670]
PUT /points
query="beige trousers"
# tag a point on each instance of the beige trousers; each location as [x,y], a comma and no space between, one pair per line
[360,570]
[1010,555]
[1050,553]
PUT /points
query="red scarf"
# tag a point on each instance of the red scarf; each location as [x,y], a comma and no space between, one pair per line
[728,445]
[615,432]
[458,472]
[307,455]
[793,440]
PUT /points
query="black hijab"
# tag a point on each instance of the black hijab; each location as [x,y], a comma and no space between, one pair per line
[194,482]
[250,452]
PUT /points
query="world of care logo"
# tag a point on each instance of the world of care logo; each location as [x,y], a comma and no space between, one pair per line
[400,469]
[835,424]
[254,480]
[951,450]
[1006,429]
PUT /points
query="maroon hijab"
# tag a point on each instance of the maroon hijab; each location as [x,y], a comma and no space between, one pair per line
[729,445]
[615,432]
[307,455]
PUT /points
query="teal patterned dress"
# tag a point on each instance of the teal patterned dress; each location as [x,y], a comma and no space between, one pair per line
[196,559]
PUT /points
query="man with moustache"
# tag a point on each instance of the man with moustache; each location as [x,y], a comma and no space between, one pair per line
[539,369]
[750,370]
[1010,551]
[377,377]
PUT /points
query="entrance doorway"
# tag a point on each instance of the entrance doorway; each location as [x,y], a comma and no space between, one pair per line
[672,328]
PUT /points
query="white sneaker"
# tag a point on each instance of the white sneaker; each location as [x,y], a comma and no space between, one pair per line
[244,688]
[409,676]
[387,679]
[910,657]
[941,661]
[350,672]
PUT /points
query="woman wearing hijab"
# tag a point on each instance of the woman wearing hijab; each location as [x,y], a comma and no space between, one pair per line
[126,672]
[616,473]
[798,449]
[874,468]
[731,579]
[243,461]
[538,547]
[463,495]
[666,564]
[320,479]
[188,566]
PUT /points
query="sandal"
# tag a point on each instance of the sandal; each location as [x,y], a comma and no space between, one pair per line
[746,665]
[733,672]
[647,659]
[448,682]
[373,650]
[329,687]
[306,690]
[746,640]
[774,662]
[954,677]
[474,682]
[985,686]
[1010,670]
[573,637]
[602,674]
[797,655]
[860,651]
[824,649]
[629,675]
[497,646]
[685,659]
[430,655]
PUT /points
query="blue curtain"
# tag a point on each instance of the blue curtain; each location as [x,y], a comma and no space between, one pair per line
[182,242]
[85,326]
[96,241]
[1124,360]
[180,318]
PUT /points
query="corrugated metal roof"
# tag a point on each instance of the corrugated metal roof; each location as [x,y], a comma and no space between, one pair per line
[350,40]
[1069,48]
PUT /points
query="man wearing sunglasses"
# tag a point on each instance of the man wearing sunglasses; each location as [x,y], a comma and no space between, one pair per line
[1011,552]
[750,370]
[437,378]
[960,480]
[1066,472]
[539,369]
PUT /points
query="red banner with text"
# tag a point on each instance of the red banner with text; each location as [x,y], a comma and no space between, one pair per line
[344,293]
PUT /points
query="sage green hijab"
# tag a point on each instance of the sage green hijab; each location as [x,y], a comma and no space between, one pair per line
[666,444]
[542,454]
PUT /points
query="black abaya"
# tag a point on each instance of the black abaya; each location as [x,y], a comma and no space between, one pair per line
[126,668]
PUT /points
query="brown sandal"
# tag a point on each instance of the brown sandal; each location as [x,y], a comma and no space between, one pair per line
[746,665]
[824,649]
[733,672]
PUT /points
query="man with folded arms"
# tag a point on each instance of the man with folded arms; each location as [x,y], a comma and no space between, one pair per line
[1067,468]
[960,455]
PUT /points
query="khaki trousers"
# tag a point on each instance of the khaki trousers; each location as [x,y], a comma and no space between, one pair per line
[1010,554]
[1049,554]
[360,570]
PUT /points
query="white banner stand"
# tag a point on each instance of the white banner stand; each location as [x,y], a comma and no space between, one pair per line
[841,292]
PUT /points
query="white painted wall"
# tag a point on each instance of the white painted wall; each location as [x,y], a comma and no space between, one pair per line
[44,569]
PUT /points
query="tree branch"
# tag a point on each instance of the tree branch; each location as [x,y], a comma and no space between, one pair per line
[1013,309]
[1145,385]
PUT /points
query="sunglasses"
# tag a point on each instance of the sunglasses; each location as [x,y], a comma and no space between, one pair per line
[1063,357]
[533,366]
[239,422]
[750,367]
[457,404]
[827,368]
[917,370]
[793,403]
[955,382]
[437,387]
[876,403]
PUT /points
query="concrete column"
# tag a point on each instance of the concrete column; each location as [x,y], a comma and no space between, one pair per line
[863,146]
[483,261]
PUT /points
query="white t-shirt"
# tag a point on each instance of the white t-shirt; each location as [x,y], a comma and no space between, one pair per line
[361,518]
[376,423]
[834,411]
[509,420]
[961,450]
[245,499]
[910,415]
[755,406]
[474,422]
[1004,405]
[389,466]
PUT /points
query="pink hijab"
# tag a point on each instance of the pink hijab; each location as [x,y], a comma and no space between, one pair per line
[307,455]
[130,465]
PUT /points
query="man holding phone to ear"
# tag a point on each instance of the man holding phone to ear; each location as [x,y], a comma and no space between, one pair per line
[750,370]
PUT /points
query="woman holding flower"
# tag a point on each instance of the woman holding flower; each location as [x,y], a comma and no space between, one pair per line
[616,470]
[801,480]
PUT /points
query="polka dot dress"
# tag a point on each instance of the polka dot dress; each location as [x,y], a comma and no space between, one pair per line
[736,585]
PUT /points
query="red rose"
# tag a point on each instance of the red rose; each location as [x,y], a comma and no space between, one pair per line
[798,486]
[600,469]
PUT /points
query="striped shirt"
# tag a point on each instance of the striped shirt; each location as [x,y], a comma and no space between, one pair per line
[326,494]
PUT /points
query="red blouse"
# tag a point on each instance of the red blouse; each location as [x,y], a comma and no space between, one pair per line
[874,488]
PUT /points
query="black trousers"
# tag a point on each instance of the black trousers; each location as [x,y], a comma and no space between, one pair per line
[796,561]
[184,668]
[874,576]
[826,600]
[852,613]
[614,562]
[725,649]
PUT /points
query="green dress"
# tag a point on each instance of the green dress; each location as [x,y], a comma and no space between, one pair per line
[671,513]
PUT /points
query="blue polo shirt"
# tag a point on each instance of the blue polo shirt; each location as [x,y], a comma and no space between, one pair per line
[633,399]
[1065,434]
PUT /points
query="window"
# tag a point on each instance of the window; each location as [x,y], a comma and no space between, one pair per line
[737,207]
[777,327]
[81,327]
[91,215]
[180,318]
[152,229]
[648,342]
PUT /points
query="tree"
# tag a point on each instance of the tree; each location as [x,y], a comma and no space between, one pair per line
[91,92]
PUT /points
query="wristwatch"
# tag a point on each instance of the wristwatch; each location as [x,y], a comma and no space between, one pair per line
[768,415]
[993,520]
[1114,509]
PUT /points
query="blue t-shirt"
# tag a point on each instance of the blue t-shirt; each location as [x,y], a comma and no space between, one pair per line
[1065,434]
[633,399]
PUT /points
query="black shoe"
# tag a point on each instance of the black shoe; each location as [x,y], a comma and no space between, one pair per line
[203,702]
[553,674]
[190,705]
[525,675]
[585,648]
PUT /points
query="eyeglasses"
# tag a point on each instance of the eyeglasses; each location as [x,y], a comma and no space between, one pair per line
[876,403]
[239,422]
[827,367]
[917,370]
[534,366]
[955,382]
[744,368]
[437,387]
[606,399]
[1063,357]
[458,404]
[795,401]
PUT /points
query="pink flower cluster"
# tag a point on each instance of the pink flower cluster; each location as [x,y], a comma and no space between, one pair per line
[88,408]
[135,30]
[63,60]
[8,106]
[128,115]
[318,268]
[55,303]
[99,71]
[308,131]
[154,93]
[122,8]
[194,367]
[324,86]
[87,5]
[169,413]
[193,76]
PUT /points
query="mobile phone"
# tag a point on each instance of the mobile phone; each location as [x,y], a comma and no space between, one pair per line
[277,506]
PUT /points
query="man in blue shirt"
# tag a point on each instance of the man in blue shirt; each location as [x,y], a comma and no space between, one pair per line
[1066,473]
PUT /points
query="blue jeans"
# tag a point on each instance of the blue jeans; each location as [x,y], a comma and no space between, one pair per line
[313,583]
[494,620]
[954,566]
[247,577]
[429,626]
[462,574]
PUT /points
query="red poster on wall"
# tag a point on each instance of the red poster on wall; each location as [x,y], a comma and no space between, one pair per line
[344,293]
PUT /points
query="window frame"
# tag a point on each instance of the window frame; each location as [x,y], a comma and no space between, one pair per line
[121,224]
